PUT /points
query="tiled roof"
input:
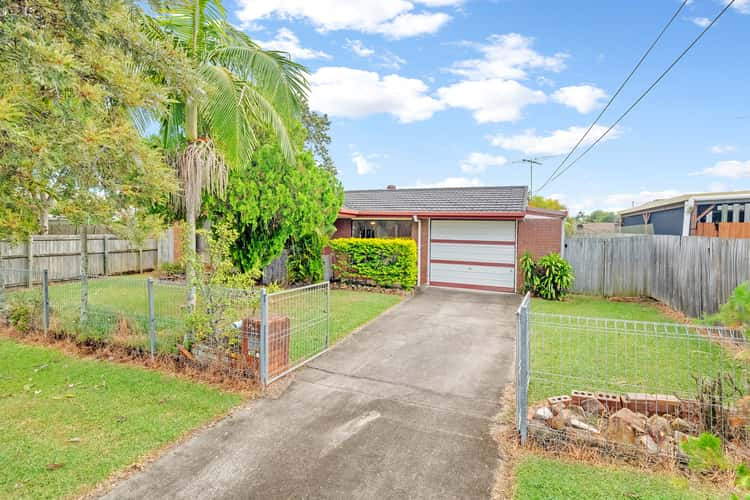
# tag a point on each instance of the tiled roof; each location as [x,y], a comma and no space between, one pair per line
[656,204]
[469,199]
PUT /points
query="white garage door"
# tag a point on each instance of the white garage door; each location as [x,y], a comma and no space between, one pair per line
[473,254]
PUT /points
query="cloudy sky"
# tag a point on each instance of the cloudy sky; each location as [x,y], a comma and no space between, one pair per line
[452,92]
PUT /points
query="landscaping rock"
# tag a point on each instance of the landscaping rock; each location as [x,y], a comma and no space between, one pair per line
[543,413]
[668,446]
[647,443]
[619,431]
[574,422]
[576,411]
[557,422]
[658,428]
[679,424]
[592,406]
[680,437]
[636,421]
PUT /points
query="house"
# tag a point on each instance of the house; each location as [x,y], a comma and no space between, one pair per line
[467,238]
[726,215]
[594,228]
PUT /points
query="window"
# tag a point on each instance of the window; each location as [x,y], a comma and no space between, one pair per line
[381,228]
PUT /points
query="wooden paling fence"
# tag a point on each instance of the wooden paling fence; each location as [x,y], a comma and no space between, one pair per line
[61,255]
[694,275]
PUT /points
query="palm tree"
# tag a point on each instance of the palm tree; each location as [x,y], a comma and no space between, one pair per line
[241,91]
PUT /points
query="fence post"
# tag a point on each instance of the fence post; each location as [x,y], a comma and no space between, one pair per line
[522,369]
[263,336]
[105,255]
[151,316]
[30,262]
[328,314]
[45,300]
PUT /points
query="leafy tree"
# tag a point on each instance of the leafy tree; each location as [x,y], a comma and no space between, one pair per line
[600,216]
[318,139]
[75,75]
[547,203]
[271,200]
[137,226]
[213,126]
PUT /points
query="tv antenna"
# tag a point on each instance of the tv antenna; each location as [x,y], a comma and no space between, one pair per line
[533,162]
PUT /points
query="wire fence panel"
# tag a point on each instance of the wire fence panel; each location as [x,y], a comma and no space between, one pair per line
[298,327]
[640,384]
[22,304]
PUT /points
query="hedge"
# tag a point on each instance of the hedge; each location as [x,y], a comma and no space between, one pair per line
[376,261]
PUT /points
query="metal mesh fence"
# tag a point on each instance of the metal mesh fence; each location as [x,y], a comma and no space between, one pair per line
[298,327]
[236,330]
[634,384]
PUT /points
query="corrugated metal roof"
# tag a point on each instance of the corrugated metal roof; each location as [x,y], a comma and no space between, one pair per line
[468,199]
[656,204]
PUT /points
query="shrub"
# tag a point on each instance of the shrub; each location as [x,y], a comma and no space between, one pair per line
[24,312]
[549,278]
[705,453]
[305,261]
[736,311]
[379,261]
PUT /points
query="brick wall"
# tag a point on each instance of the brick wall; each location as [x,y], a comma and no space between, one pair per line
[343,230]
[540,237]
[424,253]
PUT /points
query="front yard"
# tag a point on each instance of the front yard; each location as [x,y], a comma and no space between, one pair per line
[67,424]
[562,358]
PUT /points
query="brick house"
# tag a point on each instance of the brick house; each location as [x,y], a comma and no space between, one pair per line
[468,238]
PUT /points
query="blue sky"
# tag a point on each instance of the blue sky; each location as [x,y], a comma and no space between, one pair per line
[451,92]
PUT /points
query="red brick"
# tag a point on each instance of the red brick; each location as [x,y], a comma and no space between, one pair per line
[540,237]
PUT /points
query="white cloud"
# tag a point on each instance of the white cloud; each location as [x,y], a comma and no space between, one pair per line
[286,41]
[731,169]
[584,98]
[495,100]
[476,163]
[621,201]
[700,21]
[394,18]
[354,93]
[451,182]
[743,6]
[407,25]
[364,165]
[440,3]
[358,48]
[507,56]
[720,149]
[390,60]
[556,143]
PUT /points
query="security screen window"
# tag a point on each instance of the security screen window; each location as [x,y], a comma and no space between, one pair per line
[381,228]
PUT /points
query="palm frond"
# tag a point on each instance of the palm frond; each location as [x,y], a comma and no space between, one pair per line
[263,111]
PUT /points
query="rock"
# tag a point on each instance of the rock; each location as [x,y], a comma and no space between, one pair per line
[557,408]
[667,446]
[619,431]
[637,421]
[543,413]
[679,424]
[557,422]
[658,428]
[576,411]
[592,406]
[647,443]
[680,437]
[574,422]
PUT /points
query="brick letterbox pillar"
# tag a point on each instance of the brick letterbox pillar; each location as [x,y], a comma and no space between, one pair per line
[279,333]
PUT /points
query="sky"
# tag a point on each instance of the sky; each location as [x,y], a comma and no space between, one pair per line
[425,93]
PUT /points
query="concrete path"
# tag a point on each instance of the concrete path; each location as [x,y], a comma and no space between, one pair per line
[401,410]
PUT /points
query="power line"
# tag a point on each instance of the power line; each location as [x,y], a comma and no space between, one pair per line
[644,94]
[619,89]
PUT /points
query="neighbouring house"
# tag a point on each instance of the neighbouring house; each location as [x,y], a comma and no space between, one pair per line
[724,215]
[592,228]
[467,238]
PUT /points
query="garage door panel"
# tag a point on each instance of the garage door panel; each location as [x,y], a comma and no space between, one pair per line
[474,253]
[477,230]
[473,275]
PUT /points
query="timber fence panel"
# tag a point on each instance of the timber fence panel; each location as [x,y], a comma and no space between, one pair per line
[61,255]
[695,275]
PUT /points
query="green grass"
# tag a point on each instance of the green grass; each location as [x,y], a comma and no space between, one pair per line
[576,354]
[90,417]
[350,309]
[548,479]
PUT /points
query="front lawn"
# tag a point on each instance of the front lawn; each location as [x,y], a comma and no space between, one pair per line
[594,355]
[547,479]
[352,309]
[68,423]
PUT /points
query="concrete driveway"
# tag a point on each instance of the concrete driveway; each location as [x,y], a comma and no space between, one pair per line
[400,410]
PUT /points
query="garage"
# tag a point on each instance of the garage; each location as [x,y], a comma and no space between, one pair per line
[473,254]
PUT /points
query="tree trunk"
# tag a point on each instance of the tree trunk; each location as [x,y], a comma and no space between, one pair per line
[191,211]
[84,273]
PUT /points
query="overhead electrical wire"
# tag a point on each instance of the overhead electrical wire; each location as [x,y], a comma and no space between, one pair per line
[560,170]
